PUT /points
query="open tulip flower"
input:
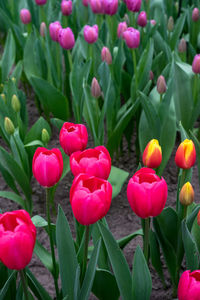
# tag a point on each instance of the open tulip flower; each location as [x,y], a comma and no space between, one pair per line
[152,155]
[94,162]
[189,285]
[185,155]
[17,239]
[134,5]
[90,33]
[132,37]
[90,198]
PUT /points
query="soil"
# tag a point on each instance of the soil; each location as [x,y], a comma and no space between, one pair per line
[121,219]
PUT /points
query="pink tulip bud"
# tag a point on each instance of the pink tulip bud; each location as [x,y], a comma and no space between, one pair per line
[25,16]
[66,38]
[189,285]
[90,33]
[151,75]
[132,37]
[85,2]
[66,7]
[161,85]
[121,28]
[40,2]
[54,29]
[43,29]
[182,46]
[134,5]
[96,6]
[110,7]
[196,64]
[195,14]
[106,55]
[95,88]
[153,22]
[142,19]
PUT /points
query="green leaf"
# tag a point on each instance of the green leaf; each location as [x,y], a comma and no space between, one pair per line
[44,256]
[6,286]
[35,133]
[117,178]
[38,221]
[141,278]
[191,218]
[196,233]
[8,58]
[14,197]
[178,28]
[197,147]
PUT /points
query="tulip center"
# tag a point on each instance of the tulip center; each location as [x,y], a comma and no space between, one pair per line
[145,177]
[92,184]
[196,275]
[10,223]
[188,148]
[71,129]
[90,153]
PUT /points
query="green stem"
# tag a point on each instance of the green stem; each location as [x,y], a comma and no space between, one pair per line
[135,70]
[161,95]
[183,177]
[51,241]
[185,211]
[69,59]
[146,238]
[58,63]
[87,233]
[91,57]
[24,283]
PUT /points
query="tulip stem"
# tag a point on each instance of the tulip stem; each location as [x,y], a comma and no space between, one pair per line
[146,238]
[24,283]
[135,71]
[48,198]
[69,59]
[87,233]
[195,93]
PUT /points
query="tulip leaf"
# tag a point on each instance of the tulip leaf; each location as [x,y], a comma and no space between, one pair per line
[119,264]
[125,240]
[44,256]
[141,278]
[117,178]
[8,58]
[196,233]
[35,133]
[6,286]
[14,197]
[192,216]
[178,28]
[197,147]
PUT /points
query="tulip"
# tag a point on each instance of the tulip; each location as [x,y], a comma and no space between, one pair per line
[95,88]
[151,75]
[93,162]
[196,64]
[182,46]
[195,14]
[25,16]
[47,166]
[185,155]
[170,24]
[153,22]
[121,28]
[147,193]
[17,239]
[85,2]
[15,103]
[73,137]
[45,136]
[43,29]
[40,2]
[198,218]
[66,7]
[90,198]
[66,38]
[96,6]
[189,285]
[106,55]
[161,85]
[54,29]
[152,155]
[9,126]
[186,195]
[110,7]
[134,5]
[142,19]
[132,37]
[90,33]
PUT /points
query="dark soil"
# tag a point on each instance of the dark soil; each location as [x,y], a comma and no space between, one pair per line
[121,219]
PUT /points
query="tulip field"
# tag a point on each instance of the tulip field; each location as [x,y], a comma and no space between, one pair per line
[99,149]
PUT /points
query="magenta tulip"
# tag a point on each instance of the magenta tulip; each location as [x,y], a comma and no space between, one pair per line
[132,37]
[66,38]
[17,239]
[147,193]
[110,7]
[85,2]
[40,2]
[90,198]
[54,29]
[66,7]
[196,64]
[93,162]
[134,5]
[96,6]
[47,166]
[142,19]
[73,137]
[121,28]
[25,16]
[106,55]
[195,14]
[90,33]
[189,285]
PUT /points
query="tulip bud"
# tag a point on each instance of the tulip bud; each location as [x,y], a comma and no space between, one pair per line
[40,2]
[25,16]
[90,33]
[66,7]
[132,37]
[15,103]
[45,136]
[151,75]
[121,28]
[196,64]
[54,29]
[186,195]
[152,155]
[198,218]
[85,2]
[142,19]
[161,85]
[153,22]
[182,46]
[170,24]
[3,96]
[13,79]
[195,14]
[66,38]
[106,55]
[96,6]
[134,5]
[110,7]
[126,19]
[185,155]
[43,29]
[115,51]
[8,125]
[95,88]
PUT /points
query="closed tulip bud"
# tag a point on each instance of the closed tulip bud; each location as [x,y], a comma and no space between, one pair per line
[66,7]
[43,29]
[17,239]
[170,24]
[66,38]
[110,7]
[126,18]
[152,155]
[198,218]
[45,136]
[15,103]
[47,166]
[90,198]
[185,155]
[90,33]
[196,64]
[186,195]
[8,125]
[161,85]
[3,96]
[25,16]
[182,46]
[121,28]
[189,285]
[13,79]
[134,5]
[106,55]
[73,137]
[177,6]
[195,14]
[142,19]
[40,2]
[132,37]
[54,29]
[95,88]
[153,22]
[96,6]
[85,2]
[151,75]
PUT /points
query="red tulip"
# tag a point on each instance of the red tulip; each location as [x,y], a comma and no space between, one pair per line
[152,155]
[73,137]
[189,285]
[147,193]
[93,162]
[17,239]
[90,198]
[47,166]
[185,155]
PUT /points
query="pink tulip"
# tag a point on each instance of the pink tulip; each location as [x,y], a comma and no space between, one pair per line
[66,7]
[47,166]
[40,2]
[93,162]
[161,85]
[132,37]
[106,55]
[121,28]
[73,137]
[189,285]
[43,29]
[25,16]
[147,193]
[142,19]
[17,239]
[96,6]
[90,198]
[85,2]
[95,88]
[66,38]
[153,22]
[196,64]
[90,33]
[54,29]
[110,7]
[195,14]
[134,5]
